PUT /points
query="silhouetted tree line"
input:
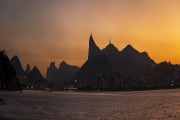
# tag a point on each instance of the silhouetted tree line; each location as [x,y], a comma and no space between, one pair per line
[161,76]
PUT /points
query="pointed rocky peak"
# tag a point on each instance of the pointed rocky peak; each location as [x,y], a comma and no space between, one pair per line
[8,77]
[28,69]
[15,59]
[94,50]
[35,75]
[110,48]
[63,64]
[91,37]
[129,49]
[51,71]
[52,65]
[17,65]
[36,71]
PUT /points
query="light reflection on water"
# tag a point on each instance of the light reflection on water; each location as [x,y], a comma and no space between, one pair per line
[133,105]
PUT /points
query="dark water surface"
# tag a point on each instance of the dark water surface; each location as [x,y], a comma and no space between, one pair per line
[44,105]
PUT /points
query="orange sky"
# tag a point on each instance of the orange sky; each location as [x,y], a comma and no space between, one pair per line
[43,31]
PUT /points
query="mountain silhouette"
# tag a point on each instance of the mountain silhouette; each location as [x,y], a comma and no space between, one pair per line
[113,55]
[58,75]
[35,78]
[92,68]
[94,50]
[97,63]
[8,78]
[28,69]
[128,62]
[66,72]
[18,67]
[51,74]
[133,63]
[106,69]
[110,49]
[35,75]
[28,77]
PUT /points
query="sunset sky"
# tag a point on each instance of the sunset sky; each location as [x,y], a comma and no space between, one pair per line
[41,31]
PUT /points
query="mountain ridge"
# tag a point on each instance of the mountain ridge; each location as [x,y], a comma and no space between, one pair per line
[128,62]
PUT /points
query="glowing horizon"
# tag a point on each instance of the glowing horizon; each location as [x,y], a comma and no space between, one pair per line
[40,32]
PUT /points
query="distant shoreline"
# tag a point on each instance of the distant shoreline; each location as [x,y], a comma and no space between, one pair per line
[129,90]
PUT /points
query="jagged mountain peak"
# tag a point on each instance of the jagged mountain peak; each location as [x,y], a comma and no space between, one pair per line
[94,50]
[65,71]
[8,76]
[28,69]
[52,65]
[15,58]
[129,49]
[129,46]
[51,71]
[110,48]
[63,64]
[17,65]
[35,75]
[16,61]
[28,66]
[35,69]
